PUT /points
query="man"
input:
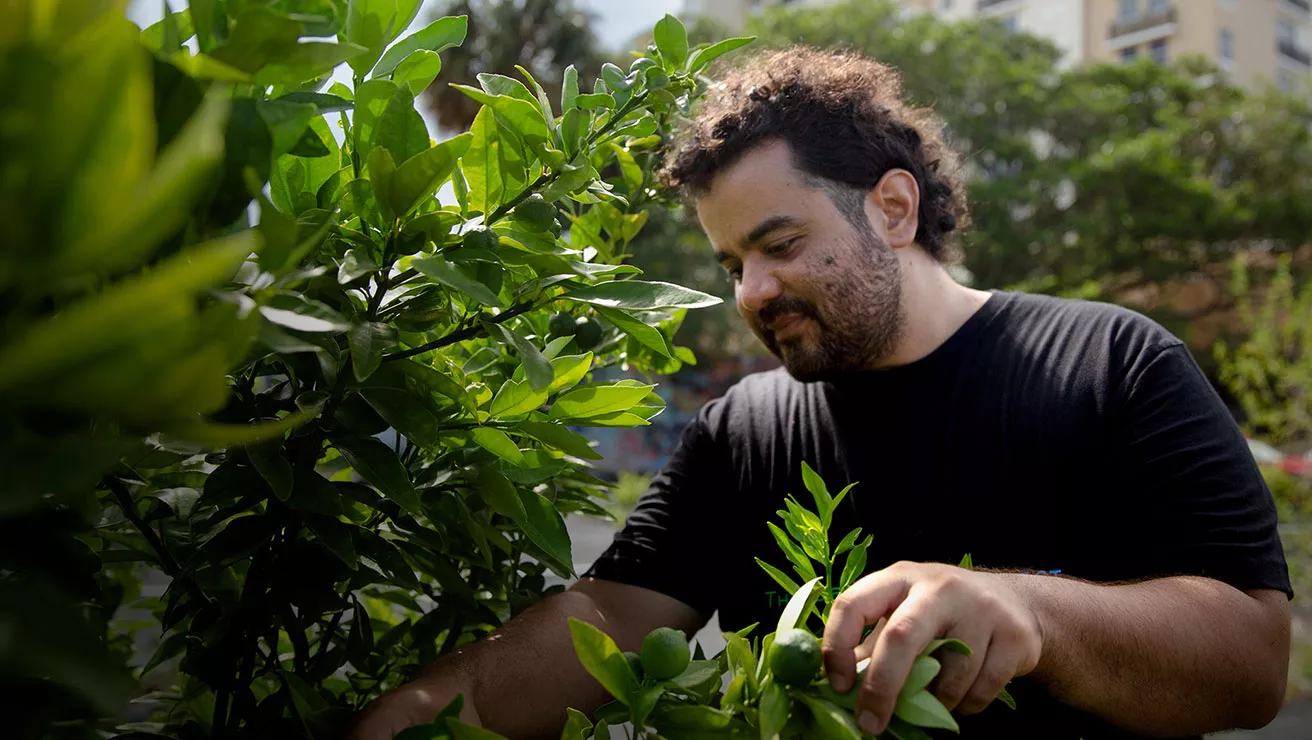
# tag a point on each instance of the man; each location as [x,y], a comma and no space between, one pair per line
[1072,438]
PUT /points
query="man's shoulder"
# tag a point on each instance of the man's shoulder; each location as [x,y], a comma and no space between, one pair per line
[1052,320]
[756,395]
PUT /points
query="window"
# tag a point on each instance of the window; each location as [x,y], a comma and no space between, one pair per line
[1157,50]
[1129,9]
[1011,22]
[945,4]
[1227,50]
[1129,53]
[1157,7]
[1285,32]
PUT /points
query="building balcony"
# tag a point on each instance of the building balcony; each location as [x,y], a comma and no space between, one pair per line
[1290,50]
[1142,23]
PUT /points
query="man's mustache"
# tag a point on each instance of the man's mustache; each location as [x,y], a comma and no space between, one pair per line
[782,307]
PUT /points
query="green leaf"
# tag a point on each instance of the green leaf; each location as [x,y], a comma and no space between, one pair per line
[324,102]
[798,558]
[420,176]
[702,58]
[167,35]
[646,334]
[833,505]
[372,24]
[273,467]
[368,341]
[442,272]
[787,583]
[302,314]
[923,670]
[400,128]
[672,41]
[798,604]
[546,529]
[521,116]
[556,435]
[1005,697]
[966,562]
[644,700]
[335,536]
[498,443]
[824,503]
[923,709]
[494,84]
[227,435]
[773,712]
[481,164]
[164,204]
[378,464]
[602,659]
[569,370]
[500,494]
[131,309]
[953,644]
[536,367]
[829,719]
[855,566]
[514,398]
[371,101]
[589,101]
[434,38]
[902,730]
[169,648]
[397,407]
[640,295]
[598,400]
[577,725]
[462,731]
[848,541]
[258,36]
[569,89]
[305,61]
[417,71]
[356,263]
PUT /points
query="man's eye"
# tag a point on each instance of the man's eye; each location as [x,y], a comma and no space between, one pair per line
[780,247]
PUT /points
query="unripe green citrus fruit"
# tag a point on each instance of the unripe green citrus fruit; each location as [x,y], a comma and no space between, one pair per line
[795,657]
[481,237]
[587,333]
[535,213]
[561,324]
[665,653]
[635,663]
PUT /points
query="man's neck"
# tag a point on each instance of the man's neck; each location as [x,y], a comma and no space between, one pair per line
[934,307]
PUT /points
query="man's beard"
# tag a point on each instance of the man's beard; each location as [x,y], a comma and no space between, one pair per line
[859,324]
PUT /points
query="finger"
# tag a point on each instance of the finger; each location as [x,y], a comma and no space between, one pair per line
[910,628]
[870,598]
[867,645]
[999,668]
[960,672]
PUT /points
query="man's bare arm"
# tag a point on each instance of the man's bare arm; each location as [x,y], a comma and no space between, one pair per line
[518,680]
[1165,657]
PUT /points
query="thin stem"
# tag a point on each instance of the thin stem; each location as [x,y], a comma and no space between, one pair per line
[461,335]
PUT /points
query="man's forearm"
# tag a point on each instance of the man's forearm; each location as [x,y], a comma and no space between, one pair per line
[1165,657]
[523,675]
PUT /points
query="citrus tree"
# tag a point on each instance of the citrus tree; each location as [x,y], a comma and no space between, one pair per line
[264,338]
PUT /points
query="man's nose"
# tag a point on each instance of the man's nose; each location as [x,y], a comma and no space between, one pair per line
[757,288]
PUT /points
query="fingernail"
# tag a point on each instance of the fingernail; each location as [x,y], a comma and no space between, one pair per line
[842,684]
[869,723]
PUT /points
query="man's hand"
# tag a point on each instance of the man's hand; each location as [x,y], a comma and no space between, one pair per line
[924,602]
[413,704]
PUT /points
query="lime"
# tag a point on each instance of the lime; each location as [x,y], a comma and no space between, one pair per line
[635,663]
[535,213]
[587,333]
[665,653]
[481,237]
[795,657]
[561,324]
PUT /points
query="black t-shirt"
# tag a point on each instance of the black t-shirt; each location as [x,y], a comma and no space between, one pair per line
[1044,435]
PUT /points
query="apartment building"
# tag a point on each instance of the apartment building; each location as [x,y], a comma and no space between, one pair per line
[1256,42]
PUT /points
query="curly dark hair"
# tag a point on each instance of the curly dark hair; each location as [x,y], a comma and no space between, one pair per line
[842,116]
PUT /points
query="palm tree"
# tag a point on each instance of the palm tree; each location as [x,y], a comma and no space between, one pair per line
[543,36]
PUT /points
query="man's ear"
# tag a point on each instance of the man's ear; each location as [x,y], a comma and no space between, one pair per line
[894,204]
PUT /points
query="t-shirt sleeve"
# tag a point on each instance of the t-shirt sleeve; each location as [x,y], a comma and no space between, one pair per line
[673,538]
[1196,495]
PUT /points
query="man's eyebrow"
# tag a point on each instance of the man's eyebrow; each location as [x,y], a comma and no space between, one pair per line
[763,229]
